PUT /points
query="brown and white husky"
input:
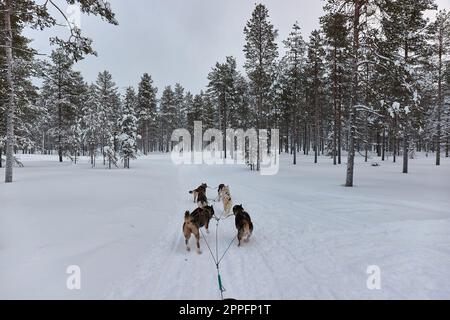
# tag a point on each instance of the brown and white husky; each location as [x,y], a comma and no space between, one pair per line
[199,218]
[223,193]
[243,224]
[200,189]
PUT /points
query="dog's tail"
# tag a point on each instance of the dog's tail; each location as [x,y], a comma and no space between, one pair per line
[248,228]
[186,216]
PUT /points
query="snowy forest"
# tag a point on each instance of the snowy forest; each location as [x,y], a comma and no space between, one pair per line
[356,92]
[375,78]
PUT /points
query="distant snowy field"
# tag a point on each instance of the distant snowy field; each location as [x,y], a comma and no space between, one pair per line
[313,238]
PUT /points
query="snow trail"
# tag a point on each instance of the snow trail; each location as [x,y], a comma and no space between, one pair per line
[312,237]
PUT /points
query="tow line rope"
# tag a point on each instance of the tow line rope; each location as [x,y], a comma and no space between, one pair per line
[215,258]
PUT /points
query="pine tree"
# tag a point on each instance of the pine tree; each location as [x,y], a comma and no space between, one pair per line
[92,123]
[147,113]
[295,63]
[194,112]
[404,27]
[315,73]
[38,16]
[284,107]
[169,116]
[440,33]
[128,127]
[446,113]
[200,108]
[194,107]
[358,14]
[57,93]
[336,31]
[78,99]
[108,101]
[260,52]
[207,113]
[180,106]
[26,109]
[224,80]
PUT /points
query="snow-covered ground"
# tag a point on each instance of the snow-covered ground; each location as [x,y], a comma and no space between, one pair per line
[313,238]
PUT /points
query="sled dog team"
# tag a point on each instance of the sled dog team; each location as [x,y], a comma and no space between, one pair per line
[201,216]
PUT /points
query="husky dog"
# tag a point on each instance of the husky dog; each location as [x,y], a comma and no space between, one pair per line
[194,221]
[202,200]
[200,189]
[227,203]
[223,193]
[243,223]
[219,191]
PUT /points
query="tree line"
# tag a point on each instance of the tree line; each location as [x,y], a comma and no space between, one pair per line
[373,79]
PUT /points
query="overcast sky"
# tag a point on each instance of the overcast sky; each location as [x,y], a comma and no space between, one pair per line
[179,40]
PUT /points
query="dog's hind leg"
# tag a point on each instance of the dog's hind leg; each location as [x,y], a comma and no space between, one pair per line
[197,237]
[247,233]
[187,236]
[187,243]
[207,226]
[239,236]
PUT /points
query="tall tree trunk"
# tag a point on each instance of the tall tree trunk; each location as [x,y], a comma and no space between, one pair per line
[60,151]
[286,142]
[379,143]
[383,145]
[394,140]
[316,144]
[351,151]
[366,143]
[149,140]
[339,136]
[295,124]
[446,147]
[406,126]
[306,139]
[405,148]
[11,103]
[145,138]
[440,100]
[225,125]
[351,157]
[295,142]
[258,151]
[335,107]
[316,129]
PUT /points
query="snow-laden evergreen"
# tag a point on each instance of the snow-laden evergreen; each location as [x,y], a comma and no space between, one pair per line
[128,128]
